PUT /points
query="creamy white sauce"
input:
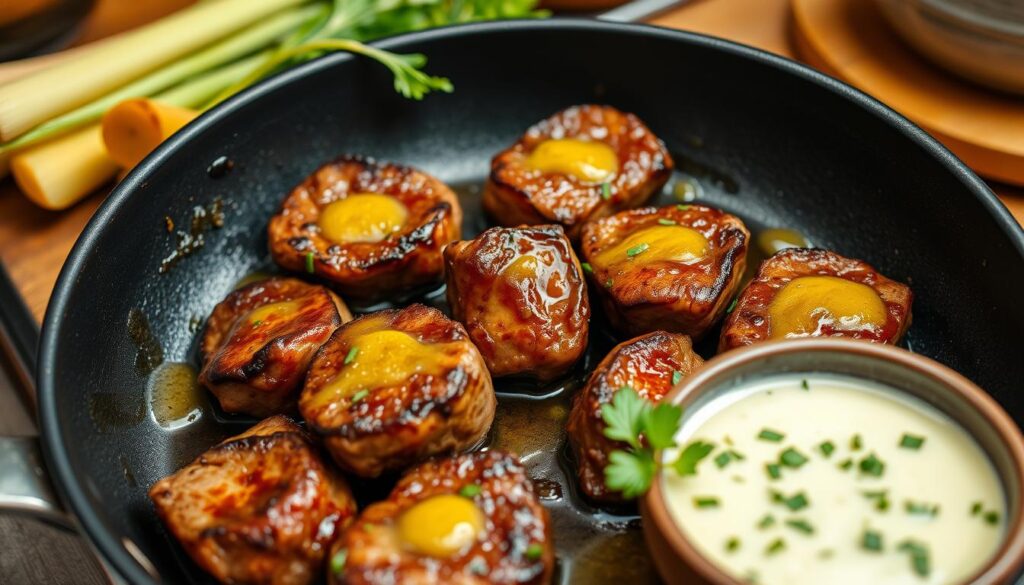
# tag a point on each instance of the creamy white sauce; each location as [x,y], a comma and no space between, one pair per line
[948,470]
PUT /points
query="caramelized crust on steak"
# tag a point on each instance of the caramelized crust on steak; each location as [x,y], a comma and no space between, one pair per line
[643,292]
[520,293]
[650,364]
[514,548]
[404,261]
[750,320]
[516,194]
[260,339]
[258,508]
[381,406]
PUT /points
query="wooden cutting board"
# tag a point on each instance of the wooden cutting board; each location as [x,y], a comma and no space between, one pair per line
[34,242]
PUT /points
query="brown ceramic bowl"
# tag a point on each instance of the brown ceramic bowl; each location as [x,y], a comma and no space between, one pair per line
[678,561]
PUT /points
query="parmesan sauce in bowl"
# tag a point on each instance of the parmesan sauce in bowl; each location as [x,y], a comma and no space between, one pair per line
[822,478]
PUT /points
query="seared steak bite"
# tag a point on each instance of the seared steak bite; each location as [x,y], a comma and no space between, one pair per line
[672,268]
[473,519]
[258,508]
[370,229]
[650,364]
[260,339]
[394,387]
[806,292]
[582,163]
[520,293]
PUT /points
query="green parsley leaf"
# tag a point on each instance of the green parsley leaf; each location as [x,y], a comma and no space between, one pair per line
[664,221]
[976,508]
[723,459]
[624,416]
[845,464]
[871,540]
[773,469]
[587,267]
[908,441]
[872,465]
[682,207]
[770,435]
[800,525]
[686,463]
[351,355]
[776,546]
[804,385]
[310,268]
[766,522]
[827,448]
[792,458]
[637,249]
[629,473]
[338,561]
[470,490]
[855,443]
[705,501]
[660,424]
[256,323]
[534,551]
[881,498]
[992,517]
[733,544]
[358,396]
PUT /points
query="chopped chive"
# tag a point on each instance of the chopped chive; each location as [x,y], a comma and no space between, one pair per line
[871,540]
[637,249]
[804,385]
[827,448]
[587,267]
[664,221]
[800,525]
[705,501]
[351,355]
[733,544]
[855,443]
[608,283]
[976,508]
[723,459]
[792,458]
[918,556]
[921,509]
[992,517]
[606,191]
[774,471]
[470,490]
[777,545]
[732,306]
[881,498]
[872,465]
[736,455]
[682,207]
[338,561]
[770,435]
[358,396]
[309,262]
[767,521]
[908,441]
[797,501]
[845,464]
[534,551]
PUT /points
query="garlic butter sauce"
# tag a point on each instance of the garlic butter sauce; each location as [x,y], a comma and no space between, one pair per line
[829,479]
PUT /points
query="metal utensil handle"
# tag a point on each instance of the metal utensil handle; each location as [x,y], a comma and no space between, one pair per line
[24,484]
[639,10]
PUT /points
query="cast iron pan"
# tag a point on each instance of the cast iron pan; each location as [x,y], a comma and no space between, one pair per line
[765,138]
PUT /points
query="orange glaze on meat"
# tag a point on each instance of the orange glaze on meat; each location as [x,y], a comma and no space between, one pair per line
[752,318]
[520,293]
[258,508]
[394,387]
[672,268]
[513,545]
[649,364]
[385,245]
[567,183]
[260,339]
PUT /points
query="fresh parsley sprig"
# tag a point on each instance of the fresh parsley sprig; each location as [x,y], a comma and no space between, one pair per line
[646,429]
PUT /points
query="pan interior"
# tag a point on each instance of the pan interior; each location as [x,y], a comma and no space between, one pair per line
[780,148]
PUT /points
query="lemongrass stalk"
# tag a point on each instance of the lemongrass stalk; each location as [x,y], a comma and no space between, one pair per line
[108,64]
[199,91]
[243,43]
[59,173]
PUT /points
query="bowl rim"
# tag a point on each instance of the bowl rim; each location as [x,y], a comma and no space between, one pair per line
[1007,560]
[53,437]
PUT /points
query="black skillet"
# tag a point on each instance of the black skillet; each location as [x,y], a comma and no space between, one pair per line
[763,137]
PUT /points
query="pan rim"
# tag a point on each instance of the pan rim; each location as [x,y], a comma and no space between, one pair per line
[52,437]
